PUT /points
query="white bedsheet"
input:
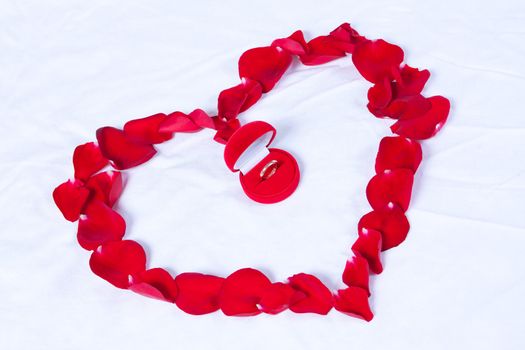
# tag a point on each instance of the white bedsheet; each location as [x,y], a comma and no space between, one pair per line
[69,67]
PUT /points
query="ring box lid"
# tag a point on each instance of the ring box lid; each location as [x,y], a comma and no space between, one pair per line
[248,146]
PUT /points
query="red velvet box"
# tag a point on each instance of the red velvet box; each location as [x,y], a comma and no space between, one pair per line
[267,175]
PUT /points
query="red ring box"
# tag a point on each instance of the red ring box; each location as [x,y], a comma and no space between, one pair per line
[267,175]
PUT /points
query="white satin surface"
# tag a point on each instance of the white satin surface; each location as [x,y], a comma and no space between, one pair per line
[70,67]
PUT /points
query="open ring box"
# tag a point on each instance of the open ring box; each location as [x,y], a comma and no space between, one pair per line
[267,175]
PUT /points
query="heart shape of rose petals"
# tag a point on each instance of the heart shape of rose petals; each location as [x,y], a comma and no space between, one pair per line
[396,93]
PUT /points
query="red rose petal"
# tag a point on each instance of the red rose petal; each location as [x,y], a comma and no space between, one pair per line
[408,107]
[323,49]
[294,44]
[356,273]
[377,60]
[70,197]
[311,295]
[242,292]
[202,119]
[117,261]
[87,160]
[123,152]
[276,298]
[99,225]
[379,96]
[265,65]
[146,130]
[398,153]
[368,245]
[383,104]
[390,221]
[226,130]
[391,186]
[198,293]
[353,301]
[155,283]
[253,93]
[412,81]
[178,122]
[427,125]
[239,98]
[345,33]
[106,187]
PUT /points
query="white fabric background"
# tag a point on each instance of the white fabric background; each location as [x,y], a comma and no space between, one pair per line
[69,67]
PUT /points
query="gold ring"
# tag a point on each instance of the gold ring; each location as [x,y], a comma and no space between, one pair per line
[272,166]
